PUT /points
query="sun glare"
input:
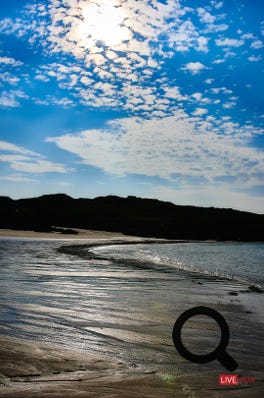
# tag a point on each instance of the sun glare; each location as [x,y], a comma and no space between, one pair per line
[103,21]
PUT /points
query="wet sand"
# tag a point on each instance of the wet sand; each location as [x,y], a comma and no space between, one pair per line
[36,370]
[33,369]
[80,234]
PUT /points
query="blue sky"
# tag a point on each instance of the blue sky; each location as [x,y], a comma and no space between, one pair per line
[160,99]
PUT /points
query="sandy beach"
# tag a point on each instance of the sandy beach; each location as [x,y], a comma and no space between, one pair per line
[80,234]
[31,370]
[134,364]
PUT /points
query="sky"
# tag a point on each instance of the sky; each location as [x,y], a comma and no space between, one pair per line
[152,98]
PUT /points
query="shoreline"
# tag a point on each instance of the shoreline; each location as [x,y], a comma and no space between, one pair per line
[90,234]
[65,373]
[81,251]
[81,234]
[32,369]
[250,297]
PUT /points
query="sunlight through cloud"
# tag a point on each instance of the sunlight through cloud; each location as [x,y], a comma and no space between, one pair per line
[103,21]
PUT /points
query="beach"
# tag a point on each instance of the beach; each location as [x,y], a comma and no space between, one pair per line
[80,234]
[38,371]
[117,342]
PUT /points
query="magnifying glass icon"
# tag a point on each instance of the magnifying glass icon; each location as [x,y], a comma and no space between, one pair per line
[219,353]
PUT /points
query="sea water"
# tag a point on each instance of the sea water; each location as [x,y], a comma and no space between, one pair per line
[238,261]
[123,302]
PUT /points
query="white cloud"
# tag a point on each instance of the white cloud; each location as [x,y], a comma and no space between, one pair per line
[200,112]
[161,147]
[224,90]
[65,102]
[257,44]
[19,26]
[254,58]
[214,28]
[10,147]
[227,42]
[209,81]
[202,44]
[8,100]
[205,16]
[174,92]
[229,105]
[131,53]
[115,23]
[211,20]
[24,160]
[217,195]
[187,37]
[42,78]
[120,56]
[9,78]
[198,96]
[194,67]
[248,36]
[10,61]
[219,5]
[218,61]
[16,178]
[37,166]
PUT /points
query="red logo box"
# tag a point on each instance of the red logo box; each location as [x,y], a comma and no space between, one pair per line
[228,380]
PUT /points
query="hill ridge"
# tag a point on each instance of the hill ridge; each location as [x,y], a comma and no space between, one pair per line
[132,215]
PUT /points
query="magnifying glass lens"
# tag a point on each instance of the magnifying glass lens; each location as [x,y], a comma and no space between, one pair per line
[218,353]
[201,335]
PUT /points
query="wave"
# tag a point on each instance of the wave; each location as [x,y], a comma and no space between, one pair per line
[146,255]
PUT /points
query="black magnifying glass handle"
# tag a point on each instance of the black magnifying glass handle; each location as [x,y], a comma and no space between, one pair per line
[227,361]
[219,353]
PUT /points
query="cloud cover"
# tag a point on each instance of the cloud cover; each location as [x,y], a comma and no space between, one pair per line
[193,149]
[168,75]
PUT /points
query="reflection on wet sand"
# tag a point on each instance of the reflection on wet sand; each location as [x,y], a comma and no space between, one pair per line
[69,306]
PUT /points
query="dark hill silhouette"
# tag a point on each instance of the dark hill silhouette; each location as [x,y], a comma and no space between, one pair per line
[131,215]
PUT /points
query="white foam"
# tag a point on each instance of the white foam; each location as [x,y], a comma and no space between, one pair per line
[149,254]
